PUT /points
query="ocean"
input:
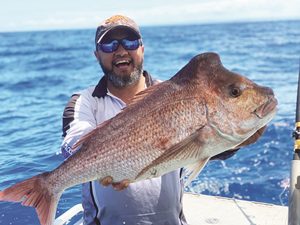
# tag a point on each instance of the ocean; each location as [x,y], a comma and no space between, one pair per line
[39,71]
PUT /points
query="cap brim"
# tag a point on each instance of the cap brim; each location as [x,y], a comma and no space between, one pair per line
[119,27]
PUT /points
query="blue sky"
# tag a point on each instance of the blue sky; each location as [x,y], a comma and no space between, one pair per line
[18,15]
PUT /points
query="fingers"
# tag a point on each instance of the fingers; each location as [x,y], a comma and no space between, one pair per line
[106,181]
[118,186]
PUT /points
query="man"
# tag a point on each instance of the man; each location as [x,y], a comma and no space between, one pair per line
[120,53]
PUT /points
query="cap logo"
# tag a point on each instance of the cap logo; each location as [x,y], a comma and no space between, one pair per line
[115,19]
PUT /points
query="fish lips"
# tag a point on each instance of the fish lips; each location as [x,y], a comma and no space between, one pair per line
[265,109]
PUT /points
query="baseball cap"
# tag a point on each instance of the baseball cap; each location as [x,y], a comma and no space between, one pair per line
[116,21]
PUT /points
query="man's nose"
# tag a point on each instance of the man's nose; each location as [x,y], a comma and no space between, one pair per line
[121,51]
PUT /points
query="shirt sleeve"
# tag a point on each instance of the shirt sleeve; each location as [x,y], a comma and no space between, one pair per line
[78,120]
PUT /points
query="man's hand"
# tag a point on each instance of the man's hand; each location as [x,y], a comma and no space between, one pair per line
[118,186]
[229,153]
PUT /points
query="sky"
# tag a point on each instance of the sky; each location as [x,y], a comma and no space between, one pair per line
[24,15]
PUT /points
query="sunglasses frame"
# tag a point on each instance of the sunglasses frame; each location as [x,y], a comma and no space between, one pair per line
[114,45]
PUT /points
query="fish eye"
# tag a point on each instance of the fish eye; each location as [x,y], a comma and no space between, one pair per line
[234,91]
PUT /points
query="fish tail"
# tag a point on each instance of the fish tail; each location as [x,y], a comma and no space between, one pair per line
[35,193]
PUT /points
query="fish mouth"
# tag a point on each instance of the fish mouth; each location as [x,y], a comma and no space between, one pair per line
[268,107]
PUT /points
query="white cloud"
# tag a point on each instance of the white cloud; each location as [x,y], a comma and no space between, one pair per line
[89,13]
[223,10]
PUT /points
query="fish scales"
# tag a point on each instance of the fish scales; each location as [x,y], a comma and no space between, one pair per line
[122,157]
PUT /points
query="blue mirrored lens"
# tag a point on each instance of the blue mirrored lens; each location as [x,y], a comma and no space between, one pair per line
[113,45]
[109,47]
[130,45]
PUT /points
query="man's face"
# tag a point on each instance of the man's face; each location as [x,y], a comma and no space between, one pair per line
[122,67]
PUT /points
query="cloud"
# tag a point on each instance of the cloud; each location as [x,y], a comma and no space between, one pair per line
[222,10]
[76,14]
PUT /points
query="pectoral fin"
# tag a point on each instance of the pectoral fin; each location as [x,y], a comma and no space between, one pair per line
[176,157]
[192,171]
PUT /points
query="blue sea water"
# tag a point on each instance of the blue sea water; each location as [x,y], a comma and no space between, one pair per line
[40,70]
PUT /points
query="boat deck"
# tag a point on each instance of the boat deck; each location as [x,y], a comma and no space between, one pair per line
[204,209]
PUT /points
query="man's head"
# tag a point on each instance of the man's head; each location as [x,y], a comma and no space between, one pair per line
[119,50]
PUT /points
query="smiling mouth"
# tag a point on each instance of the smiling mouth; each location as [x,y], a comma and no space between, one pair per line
[266,108]
[121,63]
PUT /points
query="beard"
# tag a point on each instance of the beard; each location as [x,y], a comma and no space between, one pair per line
[125,80]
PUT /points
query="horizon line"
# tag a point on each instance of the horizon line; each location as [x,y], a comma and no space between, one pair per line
[187,23]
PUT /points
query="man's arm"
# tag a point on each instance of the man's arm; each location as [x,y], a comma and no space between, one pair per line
[78,119]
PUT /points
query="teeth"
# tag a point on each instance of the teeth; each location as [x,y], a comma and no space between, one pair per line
[122,61]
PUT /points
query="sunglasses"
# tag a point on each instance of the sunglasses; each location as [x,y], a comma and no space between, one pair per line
[114,45]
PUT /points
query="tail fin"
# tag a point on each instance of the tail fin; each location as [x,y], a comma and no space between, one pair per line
[34,192]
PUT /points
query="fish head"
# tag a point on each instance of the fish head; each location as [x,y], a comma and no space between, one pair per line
[236,106]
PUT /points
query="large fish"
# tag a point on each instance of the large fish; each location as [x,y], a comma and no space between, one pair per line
[200,112]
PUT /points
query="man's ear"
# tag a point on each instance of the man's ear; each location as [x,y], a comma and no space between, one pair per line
[143,48]
[96,53]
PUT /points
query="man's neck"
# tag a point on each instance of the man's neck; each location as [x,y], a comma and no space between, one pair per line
[127,93]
